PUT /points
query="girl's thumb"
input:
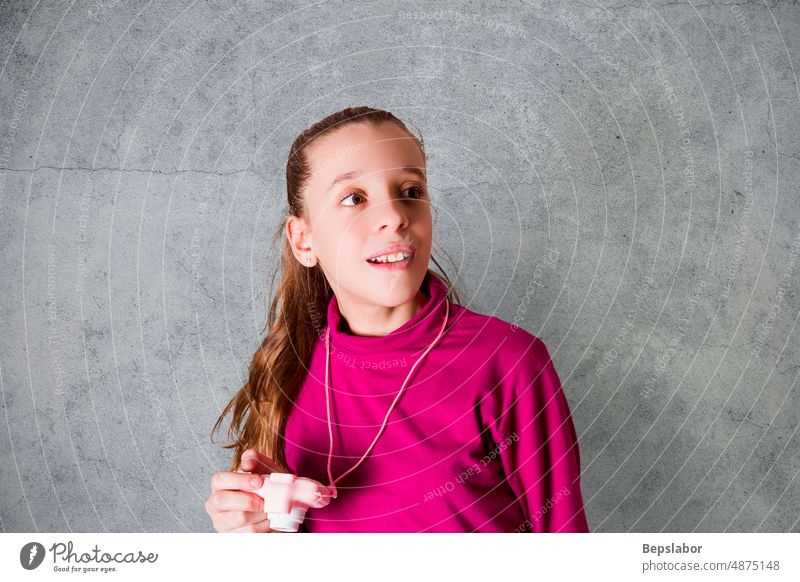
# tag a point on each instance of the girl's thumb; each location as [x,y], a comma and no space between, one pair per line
[254,461]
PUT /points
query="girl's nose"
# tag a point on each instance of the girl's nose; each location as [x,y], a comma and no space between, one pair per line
[391,214]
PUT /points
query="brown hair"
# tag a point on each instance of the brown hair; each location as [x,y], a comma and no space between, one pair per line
[296,315]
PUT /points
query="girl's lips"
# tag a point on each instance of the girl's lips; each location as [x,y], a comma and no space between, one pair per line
[398,266]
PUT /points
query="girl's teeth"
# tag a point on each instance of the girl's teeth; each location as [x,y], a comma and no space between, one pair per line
[391,258]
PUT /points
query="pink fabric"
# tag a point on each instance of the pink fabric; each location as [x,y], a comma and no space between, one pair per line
[481,441]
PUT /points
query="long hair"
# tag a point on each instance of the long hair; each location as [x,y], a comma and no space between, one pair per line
[296,316]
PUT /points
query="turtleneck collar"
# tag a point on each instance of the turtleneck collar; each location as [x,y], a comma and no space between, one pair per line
[416,334]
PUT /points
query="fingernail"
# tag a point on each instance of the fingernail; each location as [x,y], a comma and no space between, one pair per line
[255,481]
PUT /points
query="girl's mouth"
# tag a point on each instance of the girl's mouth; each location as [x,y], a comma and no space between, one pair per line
[400,261]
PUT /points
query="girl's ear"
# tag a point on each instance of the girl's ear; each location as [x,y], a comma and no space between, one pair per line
[299,238]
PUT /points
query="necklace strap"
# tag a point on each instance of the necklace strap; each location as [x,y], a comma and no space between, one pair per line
[333,481]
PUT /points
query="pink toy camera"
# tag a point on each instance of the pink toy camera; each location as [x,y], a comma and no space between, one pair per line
[288,497]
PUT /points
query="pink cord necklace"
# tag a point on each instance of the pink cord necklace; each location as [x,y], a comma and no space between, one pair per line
[333,481]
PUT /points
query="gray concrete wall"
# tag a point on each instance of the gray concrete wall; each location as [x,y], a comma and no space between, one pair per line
[618,178]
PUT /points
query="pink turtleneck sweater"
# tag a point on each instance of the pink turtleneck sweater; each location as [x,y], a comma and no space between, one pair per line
[481,441]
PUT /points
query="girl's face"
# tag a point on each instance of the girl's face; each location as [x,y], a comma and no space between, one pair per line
[367,192]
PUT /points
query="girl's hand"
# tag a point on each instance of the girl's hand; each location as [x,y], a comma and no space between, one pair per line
[232,505]
[254,461]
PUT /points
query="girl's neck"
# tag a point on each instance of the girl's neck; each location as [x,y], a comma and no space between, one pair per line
[376,320]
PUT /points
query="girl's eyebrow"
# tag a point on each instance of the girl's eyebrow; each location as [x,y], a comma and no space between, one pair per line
[342,178]
[356,173]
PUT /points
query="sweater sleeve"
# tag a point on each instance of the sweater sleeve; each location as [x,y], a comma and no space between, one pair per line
[537,444]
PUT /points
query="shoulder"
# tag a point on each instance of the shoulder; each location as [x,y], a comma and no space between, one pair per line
[510,346]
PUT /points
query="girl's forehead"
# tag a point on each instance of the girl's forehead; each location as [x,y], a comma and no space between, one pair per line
[359,140]
[363,150]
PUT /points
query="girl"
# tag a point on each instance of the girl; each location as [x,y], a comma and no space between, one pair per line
[422,415]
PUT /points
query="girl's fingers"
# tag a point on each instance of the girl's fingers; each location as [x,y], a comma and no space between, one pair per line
[259,527]
[229,520]
[254,461]
[234,481]
[224,500]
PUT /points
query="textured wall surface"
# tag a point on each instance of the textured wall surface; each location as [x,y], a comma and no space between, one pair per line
[621,179]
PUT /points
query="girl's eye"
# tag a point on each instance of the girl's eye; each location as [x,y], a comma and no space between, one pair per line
[417,193]
[416,189]
[352,194]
